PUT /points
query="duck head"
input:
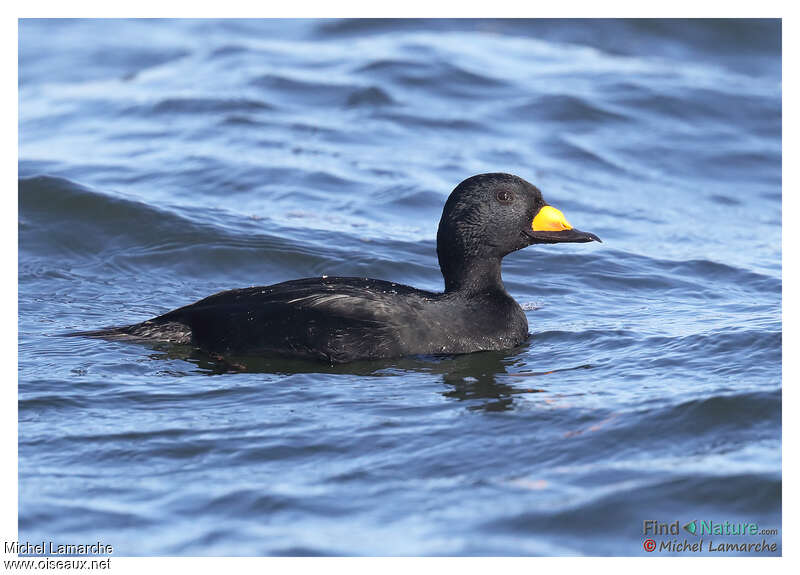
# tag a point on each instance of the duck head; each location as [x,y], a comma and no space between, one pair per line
[487,217]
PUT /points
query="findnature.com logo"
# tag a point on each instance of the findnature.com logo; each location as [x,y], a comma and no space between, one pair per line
[699,529]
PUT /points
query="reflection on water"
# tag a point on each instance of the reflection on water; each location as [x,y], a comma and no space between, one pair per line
[476,376]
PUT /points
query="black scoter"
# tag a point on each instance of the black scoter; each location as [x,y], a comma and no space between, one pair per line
[342,319]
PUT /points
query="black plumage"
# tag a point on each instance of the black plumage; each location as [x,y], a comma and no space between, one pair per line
[341,319]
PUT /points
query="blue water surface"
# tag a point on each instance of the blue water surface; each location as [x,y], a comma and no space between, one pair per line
[162,161]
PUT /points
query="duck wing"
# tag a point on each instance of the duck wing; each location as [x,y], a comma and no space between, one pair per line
[335,319]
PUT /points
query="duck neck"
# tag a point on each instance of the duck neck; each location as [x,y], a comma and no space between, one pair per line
[480,276]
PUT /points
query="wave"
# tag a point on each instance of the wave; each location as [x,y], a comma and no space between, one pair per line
[60,218]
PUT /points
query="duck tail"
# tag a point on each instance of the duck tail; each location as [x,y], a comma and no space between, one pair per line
[124,332]
[150,330]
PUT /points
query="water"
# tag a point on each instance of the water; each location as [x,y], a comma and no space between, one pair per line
[163,161]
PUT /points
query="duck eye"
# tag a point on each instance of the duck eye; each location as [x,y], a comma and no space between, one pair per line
[504,196]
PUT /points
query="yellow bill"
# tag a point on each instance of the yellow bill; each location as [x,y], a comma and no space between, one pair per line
[550,219]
